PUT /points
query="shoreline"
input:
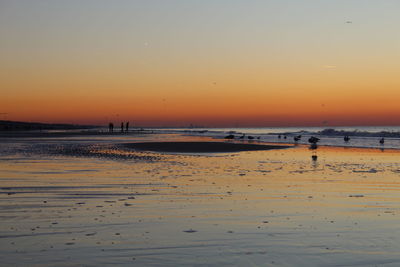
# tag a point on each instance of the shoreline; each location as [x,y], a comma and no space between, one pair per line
[247,145]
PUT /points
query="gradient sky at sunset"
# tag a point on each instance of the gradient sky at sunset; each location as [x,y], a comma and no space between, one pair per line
[212,63]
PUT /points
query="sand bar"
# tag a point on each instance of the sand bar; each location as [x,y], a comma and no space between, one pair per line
[201,147]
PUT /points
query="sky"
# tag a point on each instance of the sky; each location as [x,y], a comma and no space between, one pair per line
[212,63]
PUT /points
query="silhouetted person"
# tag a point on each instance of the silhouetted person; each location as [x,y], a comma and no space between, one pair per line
[127,126]
[122,127]
[111,127]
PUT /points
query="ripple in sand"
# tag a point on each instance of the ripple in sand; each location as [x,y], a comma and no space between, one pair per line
[190,231]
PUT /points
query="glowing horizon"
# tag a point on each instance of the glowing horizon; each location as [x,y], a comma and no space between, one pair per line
[225,63]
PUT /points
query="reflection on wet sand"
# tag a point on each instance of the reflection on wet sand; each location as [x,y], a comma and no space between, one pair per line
[274,207]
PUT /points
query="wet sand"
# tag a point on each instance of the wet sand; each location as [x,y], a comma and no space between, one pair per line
[115,206]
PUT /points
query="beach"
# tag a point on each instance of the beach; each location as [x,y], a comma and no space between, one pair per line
[199,133]
[98,201]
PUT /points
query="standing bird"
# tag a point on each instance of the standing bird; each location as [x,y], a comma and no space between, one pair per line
[382,141]
[346,138]
[313,140]
[231,136]
[297,138]
[242,137]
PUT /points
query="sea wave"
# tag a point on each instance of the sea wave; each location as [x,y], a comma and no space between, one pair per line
[333,132]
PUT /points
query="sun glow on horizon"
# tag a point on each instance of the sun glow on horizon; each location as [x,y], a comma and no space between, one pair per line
[177,63]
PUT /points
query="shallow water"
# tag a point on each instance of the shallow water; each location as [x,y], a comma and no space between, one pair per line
[109,206]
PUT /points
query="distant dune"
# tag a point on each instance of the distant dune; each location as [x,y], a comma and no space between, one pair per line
[30,126]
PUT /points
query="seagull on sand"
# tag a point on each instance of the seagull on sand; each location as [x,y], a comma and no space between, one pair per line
[313,140]
[297,138]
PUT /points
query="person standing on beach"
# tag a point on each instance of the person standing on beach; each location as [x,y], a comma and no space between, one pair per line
[110,127]
[127,126]
[122,127]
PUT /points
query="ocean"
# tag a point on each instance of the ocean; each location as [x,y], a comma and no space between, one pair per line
[360,136]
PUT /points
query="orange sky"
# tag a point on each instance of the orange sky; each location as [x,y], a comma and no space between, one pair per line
[213,64]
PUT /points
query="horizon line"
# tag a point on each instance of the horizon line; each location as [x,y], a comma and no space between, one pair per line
[199,126]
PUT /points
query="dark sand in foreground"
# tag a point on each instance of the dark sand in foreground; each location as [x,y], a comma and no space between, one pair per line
[200,147]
